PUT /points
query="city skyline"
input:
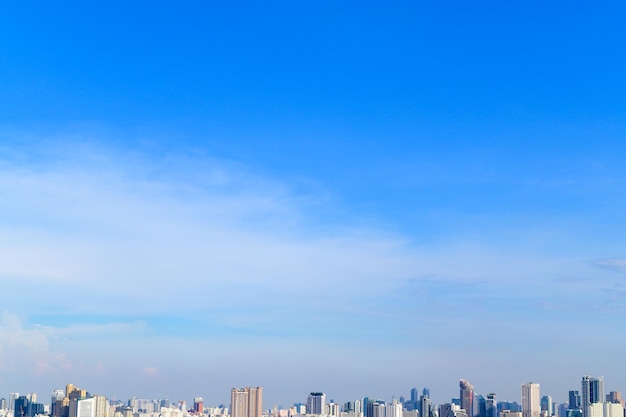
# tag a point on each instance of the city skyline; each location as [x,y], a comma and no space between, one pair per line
[248,401]
[348,196]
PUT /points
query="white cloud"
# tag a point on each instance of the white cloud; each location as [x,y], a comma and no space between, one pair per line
[23,349]
[128,233]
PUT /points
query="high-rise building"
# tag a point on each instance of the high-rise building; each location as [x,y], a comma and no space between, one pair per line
[375,409]
[12,397]
[57,395]
[546,404]
[480,406]
[246,402]
[592,392]
[425,407]
[531,406]
[315,403]
[414,402]
[198,405]
[394,409]
[601,409]
[466,396]
[491,405]
[21,407]
[451,410]
[614,397]
[574,400]
[3,404]
[96,406]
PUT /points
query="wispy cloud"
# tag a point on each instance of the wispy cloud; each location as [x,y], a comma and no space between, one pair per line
[611,264]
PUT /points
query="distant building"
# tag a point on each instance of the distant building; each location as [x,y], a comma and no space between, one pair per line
[466,395]
[246,402]
[198,405]
[592,392]
[574,400]
[394,409]
[451,410]
[614,397]
[425,408]
[546,404]
[531,400]
[375,409]
[12,397]
[606,410]
[315,403]
[491,405]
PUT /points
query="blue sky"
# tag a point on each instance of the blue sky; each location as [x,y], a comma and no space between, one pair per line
[350,197]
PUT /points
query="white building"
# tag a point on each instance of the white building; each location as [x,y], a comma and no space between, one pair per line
[531,400]
[605,410]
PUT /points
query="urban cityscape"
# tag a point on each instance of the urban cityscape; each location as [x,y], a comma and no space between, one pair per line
[312,208]
[588,400]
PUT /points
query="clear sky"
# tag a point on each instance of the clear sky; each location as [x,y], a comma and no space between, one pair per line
[351,197]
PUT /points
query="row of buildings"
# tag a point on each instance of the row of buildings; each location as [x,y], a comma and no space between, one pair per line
[589,401]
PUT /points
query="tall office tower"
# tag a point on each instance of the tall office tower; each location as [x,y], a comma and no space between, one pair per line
[12,397]
[491,406]
[57,395]
[62,408]
[198,405]
[375,409]
[394,409]
[246,402]
[546,404]
[480,406]
[315,403]
[425,407]
[426,392]
[3,403]
[531,400]
[21,407]
[574,400]
[415,399]
[466,396]
[592,392]
[358,407]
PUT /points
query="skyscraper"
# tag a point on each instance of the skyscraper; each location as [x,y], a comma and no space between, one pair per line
[574,400]
[592,392]
[491,405]
[12,397]
[246,402]
[198,405]
[315,403]
[425,407]
[375,409]
[466,396]
[531,401]
[546,404]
